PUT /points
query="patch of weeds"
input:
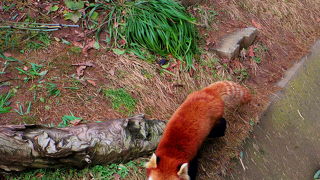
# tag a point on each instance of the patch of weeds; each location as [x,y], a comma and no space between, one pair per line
[29,119]
[72,88]
[164,72]
[8,39]
[251,122]
[146,74]
[75,50]
[41,40]
[242,74]
[108,172]
[172,32]
[59,64]
[9,59]
[259,52]
[121,100]
[42,99]
[33,72]
[207,16]
[31,45]
[121,74]
[66,119]
[94,172]
[211,66]
[211,63]
[36,87]
[149,110]
[8,6]
[4,102]
[23,40]
[20,110]
[44,38]
[74,15]
[48,174]
[52,90]
[260,48]
[257,59]
[160,26]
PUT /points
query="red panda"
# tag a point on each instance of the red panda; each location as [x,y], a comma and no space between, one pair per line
[197,117]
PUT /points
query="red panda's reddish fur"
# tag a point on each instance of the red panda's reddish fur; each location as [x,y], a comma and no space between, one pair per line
[192,122]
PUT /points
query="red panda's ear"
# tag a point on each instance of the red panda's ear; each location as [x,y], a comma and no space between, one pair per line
[152,162]
[183,171]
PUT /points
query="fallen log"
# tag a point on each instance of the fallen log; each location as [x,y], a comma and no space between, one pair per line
[36,146]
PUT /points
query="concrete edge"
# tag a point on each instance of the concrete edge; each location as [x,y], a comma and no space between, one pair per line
[289,74]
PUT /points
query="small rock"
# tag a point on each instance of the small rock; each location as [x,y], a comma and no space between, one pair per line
[229,47]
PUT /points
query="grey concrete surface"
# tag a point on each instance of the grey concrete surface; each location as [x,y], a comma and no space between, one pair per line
[230,46]
[286,143]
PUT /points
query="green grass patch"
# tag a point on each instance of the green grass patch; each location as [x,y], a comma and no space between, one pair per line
[163,27]
[33,72]
[95,172]
[66,119]
[160,26]
[4,102]
[121,100]
[241,74]
[21,108]
[52,90]
[75,50]
[23,40]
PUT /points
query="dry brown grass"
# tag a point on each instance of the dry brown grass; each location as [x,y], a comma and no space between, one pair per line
[288,28]
[282,21]
[158,94]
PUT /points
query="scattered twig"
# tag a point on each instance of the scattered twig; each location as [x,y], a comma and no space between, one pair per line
[241,156]
[300,114]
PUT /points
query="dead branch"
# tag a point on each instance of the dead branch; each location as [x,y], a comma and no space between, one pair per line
[36,146]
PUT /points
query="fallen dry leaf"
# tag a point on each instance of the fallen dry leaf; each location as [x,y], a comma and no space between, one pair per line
[191,72]
[256,24]
[177,64]
[116,176]
[122,42]
[79,34]
[87,47]
[47,7]
[39,175]
[115,25]
[92,83]
[76,122]
[25,68]
[82,67]
[80,70]
[251,51]
[7,54]
[209,44]
[78,44]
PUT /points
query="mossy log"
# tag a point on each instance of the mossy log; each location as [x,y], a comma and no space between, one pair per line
[36,146]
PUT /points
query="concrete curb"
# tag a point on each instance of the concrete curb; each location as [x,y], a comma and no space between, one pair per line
[230,45]
[285,144]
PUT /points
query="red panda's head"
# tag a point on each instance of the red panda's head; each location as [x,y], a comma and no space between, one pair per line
[166,168]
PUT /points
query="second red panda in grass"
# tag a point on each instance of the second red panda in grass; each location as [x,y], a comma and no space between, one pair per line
[200,115]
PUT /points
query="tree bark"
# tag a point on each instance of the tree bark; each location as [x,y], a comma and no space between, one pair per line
[36,146]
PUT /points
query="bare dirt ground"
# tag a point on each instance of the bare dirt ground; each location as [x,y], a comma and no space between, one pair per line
[286,30]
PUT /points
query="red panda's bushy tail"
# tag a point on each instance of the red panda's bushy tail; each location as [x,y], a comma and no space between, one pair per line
[230,92]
